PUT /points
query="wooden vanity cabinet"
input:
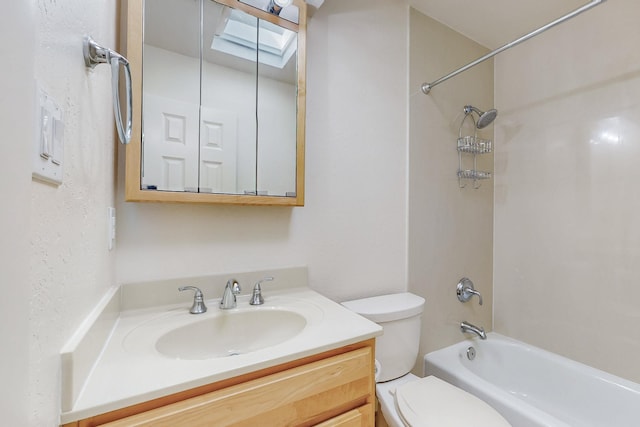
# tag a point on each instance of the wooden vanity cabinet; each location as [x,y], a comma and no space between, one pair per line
[332,389]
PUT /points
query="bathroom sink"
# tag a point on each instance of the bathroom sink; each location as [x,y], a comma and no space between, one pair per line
[230,334]
[176,334]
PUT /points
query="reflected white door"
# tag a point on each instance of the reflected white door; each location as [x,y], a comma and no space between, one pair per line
[218,142]
[170,144]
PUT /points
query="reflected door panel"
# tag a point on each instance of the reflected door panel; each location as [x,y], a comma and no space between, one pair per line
[171,144]
[218,142]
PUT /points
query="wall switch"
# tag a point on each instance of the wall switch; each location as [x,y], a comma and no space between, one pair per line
[58,141]
[45,134]
[48,153]
[111,227]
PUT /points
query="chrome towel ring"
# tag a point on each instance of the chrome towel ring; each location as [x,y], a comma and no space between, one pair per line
[95,54]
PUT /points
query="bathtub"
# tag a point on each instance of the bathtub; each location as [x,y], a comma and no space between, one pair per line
[532,387]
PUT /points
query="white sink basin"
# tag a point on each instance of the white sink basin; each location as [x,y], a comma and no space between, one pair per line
[179,335]
[230,334]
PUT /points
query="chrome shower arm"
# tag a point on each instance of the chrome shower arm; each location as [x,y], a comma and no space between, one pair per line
[95,54]
[426,87]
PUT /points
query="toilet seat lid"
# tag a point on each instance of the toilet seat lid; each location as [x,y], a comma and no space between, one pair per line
[431,402]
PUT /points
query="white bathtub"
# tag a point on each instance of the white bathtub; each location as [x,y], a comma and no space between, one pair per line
[532,387]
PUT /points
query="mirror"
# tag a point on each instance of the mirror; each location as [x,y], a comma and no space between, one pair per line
[219,101]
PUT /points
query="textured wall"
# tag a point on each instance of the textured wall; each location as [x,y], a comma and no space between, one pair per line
[71,267]
[352,231]
[566,205]
[450,229]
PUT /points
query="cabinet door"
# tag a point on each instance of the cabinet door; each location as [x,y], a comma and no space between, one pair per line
[304,395]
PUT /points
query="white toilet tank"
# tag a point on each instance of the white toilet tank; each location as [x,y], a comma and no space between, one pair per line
[399,315]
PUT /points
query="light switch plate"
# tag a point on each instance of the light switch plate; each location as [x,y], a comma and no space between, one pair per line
[48,144]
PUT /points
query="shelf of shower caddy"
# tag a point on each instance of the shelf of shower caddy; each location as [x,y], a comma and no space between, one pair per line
[473,174]
[473,144]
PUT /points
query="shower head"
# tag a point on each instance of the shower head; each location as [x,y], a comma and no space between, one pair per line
[485,118]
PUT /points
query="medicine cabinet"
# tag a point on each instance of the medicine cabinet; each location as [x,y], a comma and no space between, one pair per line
[219,102]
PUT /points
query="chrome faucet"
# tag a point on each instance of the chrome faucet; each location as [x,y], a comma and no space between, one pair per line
[198,306]
[468,327]
[257,298]
[229,296]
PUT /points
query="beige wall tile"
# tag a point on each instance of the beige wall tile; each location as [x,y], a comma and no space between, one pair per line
[450,228]
[567,236]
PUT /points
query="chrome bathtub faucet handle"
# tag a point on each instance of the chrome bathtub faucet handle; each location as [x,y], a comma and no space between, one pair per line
[466,291]
[257,298]
[229,296]
[198,306]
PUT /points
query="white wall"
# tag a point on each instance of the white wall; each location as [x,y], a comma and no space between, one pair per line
[450,228]
[16,109]
[55,263]
[352,231]
[65,227]
[566,197]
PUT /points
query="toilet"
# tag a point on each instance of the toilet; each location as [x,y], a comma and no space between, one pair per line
[405,399]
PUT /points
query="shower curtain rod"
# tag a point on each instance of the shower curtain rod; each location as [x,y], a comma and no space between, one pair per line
[426,87]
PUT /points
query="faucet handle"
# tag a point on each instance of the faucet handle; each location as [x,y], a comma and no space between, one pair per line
[466,291]
[257,298]
[198,306]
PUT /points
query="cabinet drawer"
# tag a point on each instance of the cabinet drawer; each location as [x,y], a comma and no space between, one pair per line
[304,395]
[359,417]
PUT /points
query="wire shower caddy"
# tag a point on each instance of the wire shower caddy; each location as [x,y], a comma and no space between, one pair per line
[471,144]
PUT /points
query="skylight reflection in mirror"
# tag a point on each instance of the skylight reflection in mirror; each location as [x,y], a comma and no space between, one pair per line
[240,38]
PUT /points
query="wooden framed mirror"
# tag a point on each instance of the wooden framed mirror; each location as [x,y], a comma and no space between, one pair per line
[219,96]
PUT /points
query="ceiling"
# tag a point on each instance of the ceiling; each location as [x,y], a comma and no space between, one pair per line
[493,23]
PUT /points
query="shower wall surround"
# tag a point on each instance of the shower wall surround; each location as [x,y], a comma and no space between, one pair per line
[450,229]
[567,237]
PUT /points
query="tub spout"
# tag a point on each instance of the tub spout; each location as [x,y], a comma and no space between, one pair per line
[468,327]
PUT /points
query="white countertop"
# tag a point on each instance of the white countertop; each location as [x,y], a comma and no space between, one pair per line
[130,370]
